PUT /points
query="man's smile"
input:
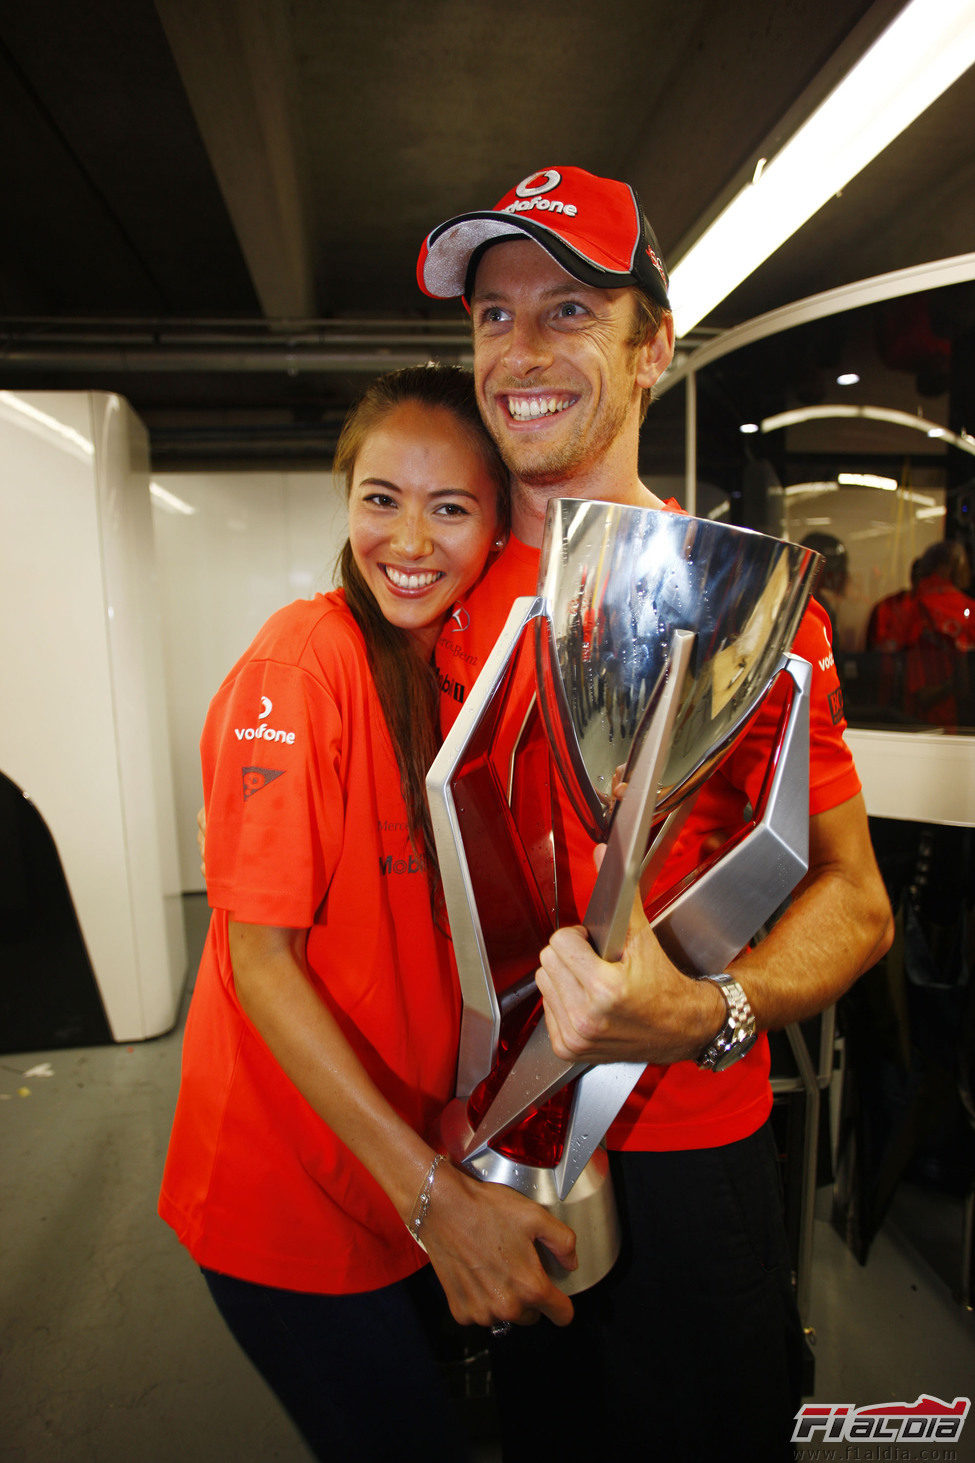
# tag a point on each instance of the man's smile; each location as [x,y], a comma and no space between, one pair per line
[531,408]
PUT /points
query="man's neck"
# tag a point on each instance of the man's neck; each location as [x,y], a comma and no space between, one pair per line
[529,502]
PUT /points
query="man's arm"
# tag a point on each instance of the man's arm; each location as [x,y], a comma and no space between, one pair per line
[644,1009]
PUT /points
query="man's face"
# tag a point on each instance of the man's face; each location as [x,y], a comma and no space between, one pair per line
[557,378]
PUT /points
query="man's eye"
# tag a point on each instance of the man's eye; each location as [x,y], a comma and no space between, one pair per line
[571,310]
[491,315]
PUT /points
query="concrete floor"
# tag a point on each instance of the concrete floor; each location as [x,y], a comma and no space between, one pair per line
[113,1353]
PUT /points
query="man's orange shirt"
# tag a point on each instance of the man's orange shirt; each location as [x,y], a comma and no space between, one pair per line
[678,1106]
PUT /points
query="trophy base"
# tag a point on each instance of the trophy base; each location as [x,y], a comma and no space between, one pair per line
[589,1208]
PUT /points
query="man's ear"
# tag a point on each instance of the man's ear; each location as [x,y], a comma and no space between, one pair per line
[656,354]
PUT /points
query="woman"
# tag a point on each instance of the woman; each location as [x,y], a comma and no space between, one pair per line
[321,1040]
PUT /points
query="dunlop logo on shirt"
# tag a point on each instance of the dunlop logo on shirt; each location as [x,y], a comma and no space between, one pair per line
[255,778]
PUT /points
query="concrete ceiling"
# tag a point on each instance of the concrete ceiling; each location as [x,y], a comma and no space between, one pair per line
[215,206]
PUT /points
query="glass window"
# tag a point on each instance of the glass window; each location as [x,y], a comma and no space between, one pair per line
[856,435]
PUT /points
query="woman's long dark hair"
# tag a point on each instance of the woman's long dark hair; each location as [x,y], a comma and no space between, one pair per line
[405,683]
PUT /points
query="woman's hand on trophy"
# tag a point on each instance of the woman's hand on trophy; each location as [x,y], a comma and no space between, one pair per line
[617,787]
[482,1240]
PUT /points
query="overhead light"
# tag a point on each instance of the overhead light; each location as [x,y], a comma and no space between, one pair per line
[809,490]
[848,378]
[961,440]
[866,480]
[169,500]
[918,56]
[59,432]
[748,428]
[861,535]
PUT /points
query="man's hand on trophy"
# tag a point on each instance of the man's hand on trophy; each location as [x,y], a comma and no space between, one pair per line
[638,1009]
[482,1241]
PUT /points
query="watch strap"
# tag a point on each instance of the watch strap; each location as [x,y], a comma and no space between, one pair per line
[737,1034]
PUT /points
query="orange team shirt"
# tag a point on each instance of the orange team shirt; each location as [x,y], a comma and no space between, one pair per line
[679,1106]
[947,611]
[307,829]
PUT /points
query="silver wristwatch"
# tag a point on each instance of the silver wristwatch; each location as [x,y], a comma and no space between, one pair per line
[737,1035]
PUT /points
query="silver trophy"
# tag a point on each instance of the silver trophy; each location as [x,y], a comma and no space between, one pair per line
[607,701]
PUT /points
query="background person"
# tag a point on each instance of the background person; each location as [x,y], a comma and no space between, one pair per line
[834,576]
[322,1036]
[892,627]
[691,1348]
[938,680]
[924,637]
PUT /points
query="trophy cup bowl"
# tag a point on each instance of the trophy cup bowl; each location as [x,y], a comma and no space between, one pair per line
[655,636]
[617,582]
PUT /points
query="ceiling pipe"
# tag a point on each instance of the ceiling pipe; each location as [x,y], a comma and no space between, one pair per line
[171,360]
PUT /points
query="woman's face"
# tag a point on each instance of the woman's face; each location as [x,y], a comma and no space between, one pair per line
[422,517]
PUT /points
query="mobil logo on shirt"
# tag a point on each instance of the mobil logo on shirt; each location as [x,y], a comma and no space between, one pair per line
[412,864]
[263,731]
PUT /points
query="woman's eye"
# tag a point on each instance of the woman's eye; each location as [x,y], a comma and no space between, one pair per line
[379,500]
[452,510]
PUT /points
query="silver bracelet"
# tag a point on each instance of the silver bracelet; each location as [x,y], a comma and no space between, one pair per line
[419,1212]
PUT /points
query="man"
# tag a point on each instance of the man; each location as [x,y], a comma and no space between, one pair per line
[690,1348]
[834,576]
[924,636]
[938,678]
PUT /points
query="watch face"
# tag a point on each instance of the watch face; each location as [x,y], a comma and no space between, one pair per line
[737,1035]
[733,1052]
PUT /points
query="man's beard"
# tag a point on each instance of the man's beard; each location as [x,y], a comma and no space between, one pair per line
[541,466]
[543,470]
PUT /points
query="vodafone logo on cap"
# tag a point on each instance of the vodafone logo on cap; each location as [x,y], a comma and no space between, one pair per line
[529,195]
[539,183]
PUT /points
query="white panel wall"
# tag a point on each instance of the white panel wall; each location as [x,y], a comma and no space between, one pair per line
[921,777]
[232,548]
[83,730]
[251,542]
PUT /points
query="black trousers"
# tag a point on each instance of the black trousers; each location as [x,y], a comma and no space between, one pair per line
[691,1348]
[358,1373]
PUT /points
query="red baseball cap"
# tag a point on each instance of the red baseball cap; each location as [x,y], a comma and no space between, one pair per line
[593,227]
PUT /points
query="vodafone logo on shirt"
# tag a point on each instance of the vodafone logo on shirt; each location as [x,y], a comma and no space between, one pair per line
[262,732]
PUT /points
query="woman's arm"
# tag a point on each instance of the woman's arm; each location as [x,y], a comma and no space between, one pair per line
[480,1237]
